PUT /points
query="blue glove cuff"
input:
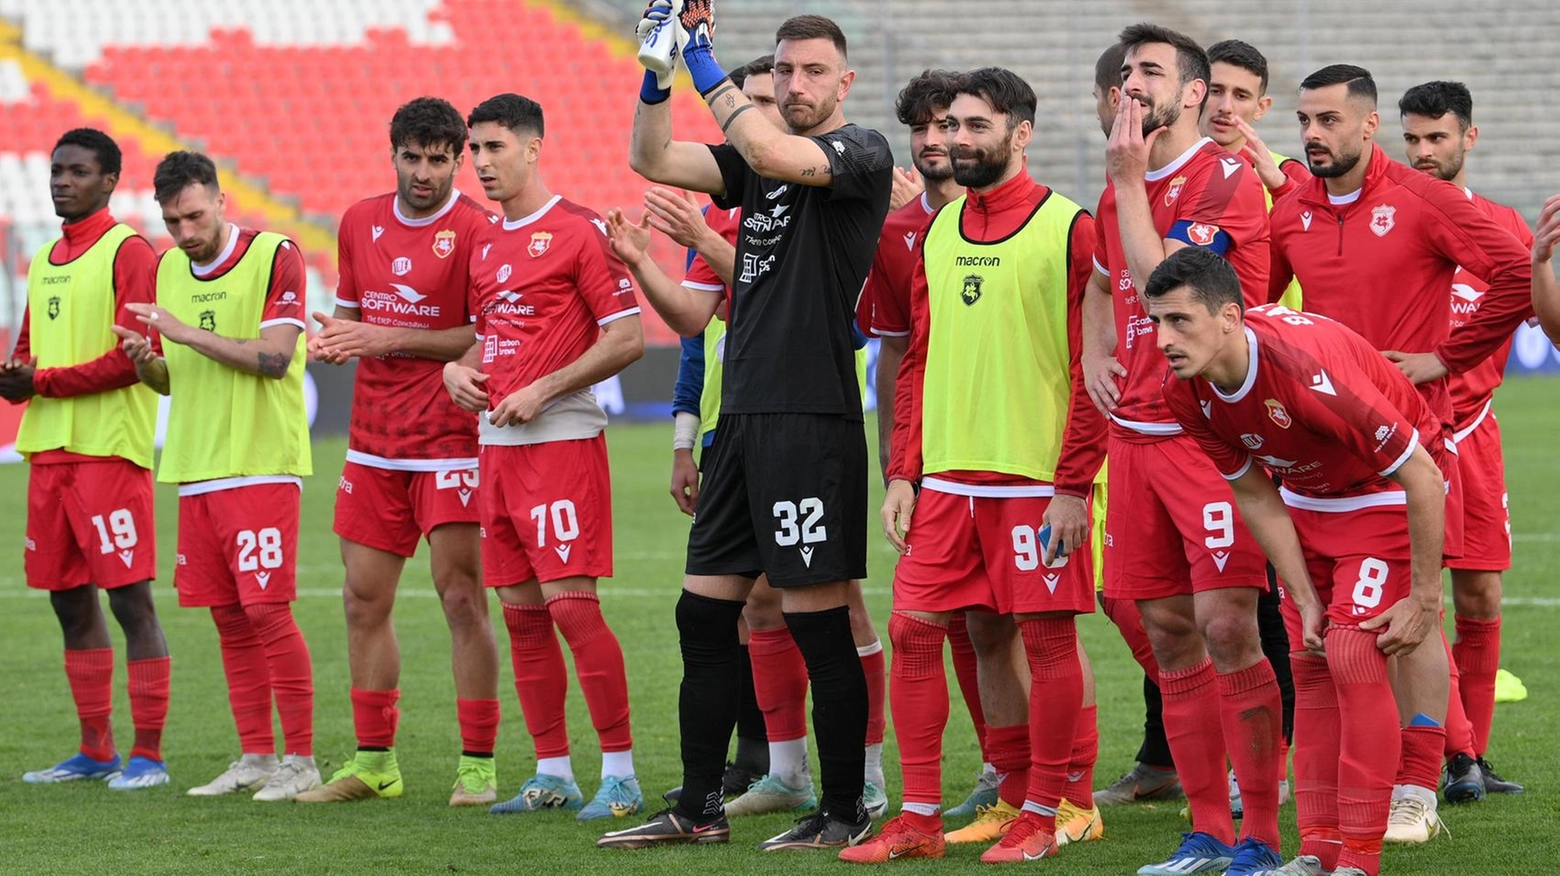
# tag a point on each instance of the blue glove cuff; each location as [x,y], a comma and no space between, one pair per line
[699,58]
[650,90]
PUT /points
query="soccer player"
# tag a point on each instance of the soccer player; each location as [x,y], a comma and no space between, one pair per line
[785,481]
[555,315]
[1356,529]
[1438,133]
[228,346]
[87,434]
[1177,547]
[1376,246]
[411,470]
[1002,269]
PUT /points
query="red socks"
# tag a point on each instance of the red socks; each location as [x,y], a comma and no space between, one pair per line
[779,683]
[248,679]
[541,680]
[291,672]
[374,717]
[1055,701]
[1009,747]
[873,667]
[1252,716]
[1365,753]
[478,726]
[598,663]
[1422,750]
[1316,758]
[1191,698]
[149,704]
[964,668]
[919,698]
[91,675]
[1079,790]
[1477,658]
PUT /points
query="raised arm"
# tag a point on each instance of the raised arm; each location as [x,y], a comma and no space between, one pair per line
[686,311]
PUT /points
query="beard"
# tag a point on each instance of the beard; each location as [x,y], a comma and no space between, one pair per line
[976,168]
[419,202]
[1155,117]
[802,117]
[1341,164]
[1447,171]
[940,172]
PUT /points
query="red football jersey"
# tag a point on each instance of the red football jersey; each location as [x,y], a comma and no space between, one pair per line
[1381,260]
[408,273]
[542,285]
[1208,198]
[700,275]
[1473,389]
[1320,408]
[884,308]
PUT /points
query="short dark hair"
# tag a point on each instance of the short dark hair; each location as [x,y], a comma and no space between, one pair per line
[811,27]
[1006,91]
[925,94]
[1210,278]
[178,171]
[1359,80]
[1243,55]
[513,111]
[1190,59]
[1107,70]
[761,66]
[428,122]
[1436,99]
[103,146]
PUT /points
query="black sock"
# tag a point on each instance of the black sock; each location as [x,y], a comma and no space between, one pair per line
[1156,748]
[707,703]
[839,690]
[752,736]
[1275,646]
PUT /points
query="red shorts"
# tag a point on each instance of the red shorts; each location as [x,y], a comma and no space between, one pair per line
[1171,525]
[1358,560]
[238,545]
[546,511]
[1456,510]
[89,523]
[982,553]
[389,510]
[1486,518]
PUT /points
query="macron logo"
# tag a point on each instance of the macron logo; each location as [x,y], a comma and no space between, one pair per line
[1051,581]
[1305,220]
[407,293]
[1220,558]
[465,497]
[1322,384]
[378,230]
[807,553]
[910,241]
[127,556]
[600,226]
[563,551]
[263,579]
[1231,166]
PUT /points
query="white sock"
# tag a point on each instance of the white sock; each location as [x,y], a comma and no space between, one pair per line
[559,767]
[1424,794]
[617,763]
[788,761]
[263,761]
[874,770]
[927,809]
[987,769]
[1036,808]
[869,650]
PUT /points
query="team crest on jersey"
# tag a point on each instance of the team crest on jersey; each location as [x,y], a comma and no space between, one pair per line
[540,241]
[54,307]
[1175,190]
[504,272]
[1381,219]
[1251,440]
[208,320]
[1202,233]
[444,243]
[401,266]
[971,291]
[1277,414]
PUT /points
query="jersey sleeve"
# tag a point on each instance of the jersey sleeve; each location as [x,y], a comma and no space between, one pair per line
[346,283]
[1231,461]
[860,163]
[602,278]
[734,172]
[1359,418]
[135,276]
[284,300]
[1083,438]
[1226,211]
[905,460]
[1490,252]
[1101,254]
[702,277]
[1280,271]
[887,308]
[688,389]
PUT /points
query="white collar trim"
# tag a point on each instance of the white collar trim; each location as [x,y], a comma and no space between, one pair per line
[227,252]
[523,221]
[426,220]
[1177,163]
[1251,372]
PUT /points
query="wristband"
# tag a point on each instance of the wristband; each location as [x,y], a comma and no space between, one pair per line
[650,91]
[685,431]
[702,66]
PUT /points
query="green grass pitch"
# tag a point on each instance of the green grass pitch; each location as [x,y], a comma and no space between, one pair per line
[84,828]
